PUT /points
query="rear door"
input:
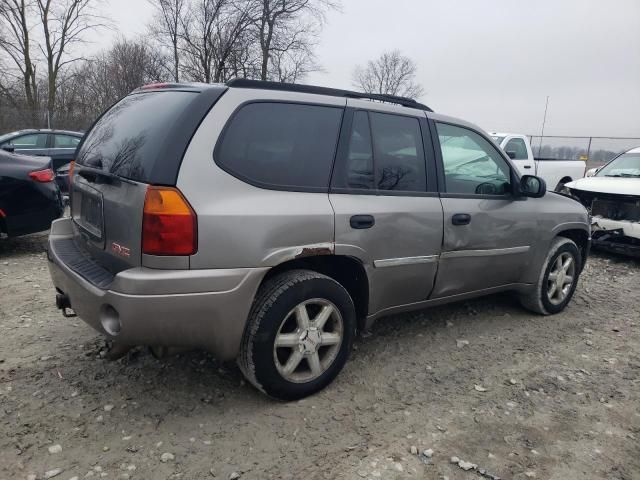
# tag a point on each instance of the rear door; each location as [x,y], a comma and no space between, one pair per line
[62,149]
[139,141]
[387,210]
[520,154]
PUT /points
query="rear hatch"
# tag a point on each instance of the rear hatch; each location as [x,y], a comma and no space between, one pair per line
[139,142]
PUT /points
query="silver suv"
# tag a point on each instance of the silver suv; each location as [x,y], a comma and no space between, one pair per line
[268,223]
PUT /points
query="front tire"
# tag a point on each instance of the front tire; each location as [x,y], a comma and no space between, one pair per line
[557,280]
[299,336]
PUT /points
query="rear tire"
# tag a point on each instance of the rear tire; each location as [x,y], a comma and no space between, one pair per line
[299,334]
[557,280]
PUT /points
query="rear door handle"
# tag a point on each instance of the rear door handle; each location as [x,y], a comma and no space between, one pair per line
[360,222]
[527,166]
[461,219]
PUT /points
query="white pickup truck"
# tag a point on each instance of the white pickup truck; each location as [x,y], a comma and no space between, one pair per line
[555,172]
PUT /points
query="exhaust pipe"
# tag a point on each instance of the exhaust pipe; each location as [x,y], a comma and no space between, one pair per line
[63,303]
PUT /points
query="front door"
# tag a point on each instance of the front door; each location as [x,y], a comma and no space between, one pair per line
[488,233]
[387,212]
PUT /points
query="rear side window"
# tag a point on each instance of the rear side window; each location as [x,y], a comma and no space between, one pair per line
[385,153]
[398,153]
[65,141]
[281,145]
[129,139]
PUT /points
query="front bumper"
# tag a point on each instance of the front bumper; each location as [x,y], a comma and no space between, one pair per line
[141,306]
[618,236]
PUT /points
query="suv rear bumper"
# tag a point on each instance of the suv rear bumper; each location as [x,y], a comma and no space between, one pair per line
[142,306]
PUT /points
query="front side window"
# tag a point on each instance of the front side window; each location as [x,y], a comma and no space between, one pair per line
[65,141]
[472,165]
[283,145]
[36,140]
[516,149]
[385,153]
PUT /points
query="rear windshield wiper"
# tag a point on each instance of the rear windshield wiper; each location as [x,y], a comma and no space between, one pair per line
[95,175]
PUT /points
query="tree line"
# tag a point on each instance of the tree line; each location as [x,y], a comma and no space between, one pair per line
[45,80]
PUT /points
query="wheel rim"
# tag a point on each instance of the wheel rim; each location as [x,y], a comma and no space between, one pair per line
[308,340]
[561,278]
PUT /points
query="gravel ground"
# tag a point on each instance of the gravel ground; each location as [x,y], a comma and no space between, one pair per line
[519,395]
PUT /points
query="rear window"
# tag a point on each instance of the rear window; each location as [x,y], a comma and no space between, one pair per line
[128,139]
[65,141]
[281,145]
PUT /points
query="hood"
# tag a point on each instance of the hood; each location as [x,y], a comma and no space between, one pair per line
[611,185]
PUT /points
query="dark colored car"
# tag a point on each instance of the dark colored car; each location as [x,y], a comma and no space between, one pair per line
[59,145]
[29,197]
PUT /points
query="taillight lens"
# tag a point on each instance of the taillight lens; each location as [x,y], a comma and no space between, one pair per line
[72,165]
[43,176]
[169,224]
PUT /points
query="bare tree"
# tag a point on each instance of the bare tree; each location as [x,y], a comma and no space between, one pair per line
[64,23]
[390,74]
[167,27]
[280,25]
[16,44]
[212,33]
[96,84]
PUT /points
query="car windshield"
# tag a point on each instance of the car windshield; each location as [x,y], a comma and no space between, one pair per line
[626,165]
[6,136]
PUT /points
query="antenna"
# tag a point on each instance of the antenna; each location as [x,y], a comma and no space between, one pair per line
[544,121]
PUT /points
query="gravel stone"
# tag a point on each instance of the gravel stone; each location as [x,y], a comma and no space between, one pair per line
[52,473]
[55,448]
[167,457]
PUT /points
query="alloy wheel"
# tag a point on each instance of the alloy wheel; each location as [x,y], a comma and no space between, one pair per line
[561,277]
[308,340]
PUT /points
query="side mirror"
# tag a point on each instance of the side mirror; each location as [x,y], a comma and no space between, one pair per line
[511,154]
[592,172]
[532,186]
[9,148]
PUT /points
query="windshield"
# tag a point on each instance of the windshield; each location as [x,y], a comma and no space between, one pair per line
[626,165]
[497,139]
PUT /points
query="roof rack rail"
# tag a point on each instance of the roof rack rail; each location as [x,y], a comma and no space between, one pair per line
[334,92]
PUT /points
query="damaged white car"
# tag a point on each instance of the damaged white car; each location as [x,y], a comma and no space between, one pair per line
[612,196]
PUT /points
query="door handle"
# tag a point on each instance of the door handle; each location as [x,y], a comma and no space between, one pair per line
[527,166]
[360,222]
[461,219]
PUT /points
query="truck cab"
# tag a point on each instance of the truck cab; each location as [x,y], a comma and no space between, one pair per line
[555,172]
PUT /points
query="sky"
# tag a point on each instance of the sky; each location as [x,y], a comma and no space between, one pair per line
[491,62]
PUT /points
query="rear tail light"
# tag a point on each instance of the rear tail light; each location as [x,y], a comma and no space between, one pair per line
[43,176]
[169,224]
[72,165]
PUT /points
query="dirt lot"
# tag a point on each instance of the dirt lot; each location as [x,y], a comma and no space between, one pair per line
[526,397]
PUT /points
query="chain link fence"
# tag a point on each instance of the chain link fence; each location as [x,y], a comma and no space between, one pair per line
[596,151]
[12,119]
